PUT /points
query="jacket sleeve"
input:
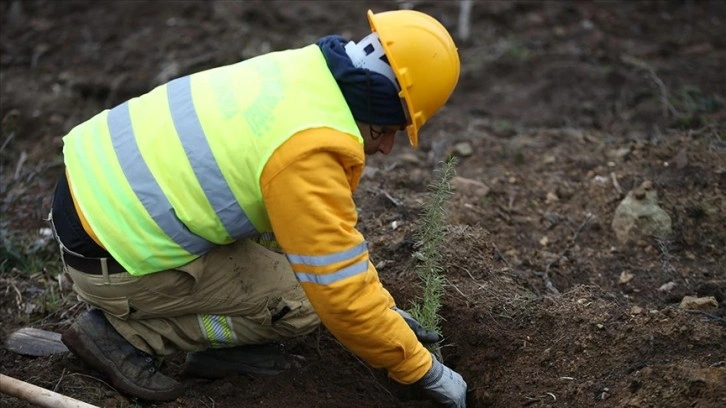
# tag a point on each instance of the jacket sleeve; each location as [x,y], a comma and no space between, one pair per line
[308,186]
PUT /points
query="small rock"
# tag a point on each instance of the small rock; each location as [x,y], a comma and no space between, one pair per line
[469,186]
[551,198]
[667,287]
[619,153]
[639,216]
[410,158]
[625,277]
[601,180]
[463,149]
[699,303]
[636,310]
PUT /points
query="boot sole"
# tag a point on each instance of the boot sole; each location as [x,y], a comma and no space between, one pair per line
[79,343]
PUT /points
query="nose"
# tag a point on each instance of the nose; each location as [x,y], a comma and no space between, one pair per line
[387,143]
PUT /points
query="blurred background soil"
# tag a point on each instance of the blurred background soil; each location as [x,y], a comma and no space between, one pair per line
[562,109]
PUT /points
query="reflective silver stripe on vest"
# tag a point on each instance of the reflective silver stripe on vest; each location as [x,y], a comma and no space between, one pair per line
[144,185]
[344,273]
[201,158]
[323,260]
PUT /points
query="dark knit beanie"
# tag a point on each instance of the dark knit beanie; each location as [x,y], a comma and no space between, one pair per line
[371,97]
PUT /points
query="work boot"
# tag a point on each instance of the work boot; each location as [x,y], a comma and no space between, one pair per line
[262,359]
[131,371]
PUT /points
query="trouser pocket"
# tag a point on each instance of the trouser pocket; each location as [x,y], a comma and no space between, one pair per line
[291,318]
[115,306]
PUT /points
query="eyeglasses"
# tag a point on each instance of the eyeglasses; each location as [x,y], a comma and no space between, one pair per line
[384,130]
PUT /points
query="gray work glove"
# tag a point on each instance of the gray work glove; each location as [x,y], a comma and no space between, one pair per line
[423,335]
[444,386]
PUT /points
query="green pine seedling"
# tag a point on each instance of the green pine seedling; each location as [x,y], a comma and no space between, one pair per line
[429,237]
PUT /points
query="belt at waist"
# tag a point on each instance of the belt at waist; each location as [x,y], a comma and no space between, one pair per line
[92,266]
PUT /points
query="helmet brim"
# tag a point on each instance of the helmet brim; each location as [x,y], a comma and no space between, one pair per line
[412,127]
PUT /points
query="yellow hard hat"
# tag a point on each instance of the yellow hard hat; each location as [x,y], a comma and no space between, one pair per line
[424,59]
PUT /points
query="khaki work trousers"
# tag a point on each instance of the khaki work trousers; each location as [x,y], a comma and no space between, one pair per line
[237,294]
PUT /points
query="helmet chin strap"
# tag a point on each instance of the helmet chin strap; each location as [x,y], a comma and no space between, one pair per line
[368,53]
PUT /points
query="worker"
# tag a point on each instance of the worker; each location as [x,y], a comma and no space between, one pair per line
[214,215]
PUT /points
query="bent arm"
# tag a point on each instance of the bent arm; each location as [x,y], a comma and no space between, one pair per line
[308,189]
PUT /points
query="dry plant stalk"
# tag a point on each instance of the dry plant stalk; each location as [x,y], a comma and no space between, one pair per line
[430,236]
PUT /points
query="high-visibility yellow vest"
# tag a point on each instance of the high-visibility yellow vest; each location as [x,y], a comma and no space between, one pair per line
[163,178]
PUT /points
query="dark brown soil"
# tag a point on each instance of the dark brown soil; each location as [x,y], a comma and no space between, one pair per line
[566,106]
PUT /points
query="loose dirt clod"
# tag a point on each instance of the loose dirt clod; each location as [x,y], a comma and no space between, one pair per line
[707,303]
